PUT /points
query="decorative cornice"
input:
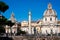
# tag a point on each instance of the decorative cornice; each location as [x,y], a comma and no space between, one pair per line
[49,15]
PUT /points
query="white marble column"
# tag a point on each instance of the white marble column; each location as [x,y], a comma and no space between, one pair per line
[29,22]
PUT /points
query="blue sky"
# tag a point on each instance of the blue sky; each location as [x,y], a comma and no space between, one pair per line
[37,7]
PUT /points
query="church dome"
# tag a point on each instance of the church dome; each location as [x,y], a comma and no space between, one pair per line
[49,11]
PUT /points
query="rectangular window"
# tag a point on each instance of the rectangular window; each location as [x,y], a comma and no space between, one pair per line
[50,19]
[45,19]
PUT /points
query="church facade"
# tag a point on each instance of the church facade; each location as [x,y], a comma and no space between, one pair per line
[50,21]
[49,24]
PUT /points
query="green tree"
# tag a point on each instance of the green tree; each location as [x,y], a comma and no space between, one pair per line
[3,20]
[21,32]
[3,6]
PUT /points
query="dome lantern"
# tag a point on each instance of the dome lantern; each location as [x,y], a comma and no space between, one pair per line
[49,6]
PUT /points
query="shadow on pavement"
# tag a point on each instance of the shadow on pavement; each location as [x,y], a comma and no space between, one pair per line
[6,38]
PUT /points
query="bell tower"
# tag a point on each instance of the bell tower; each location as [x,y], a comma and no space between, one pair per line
[13,18]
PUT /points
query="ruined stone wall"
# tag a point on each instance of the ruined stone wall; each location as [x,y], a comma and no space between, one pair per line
[36,38]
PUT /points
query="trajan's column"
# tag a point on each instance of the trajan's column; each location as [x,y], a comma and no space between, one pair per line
[29,22]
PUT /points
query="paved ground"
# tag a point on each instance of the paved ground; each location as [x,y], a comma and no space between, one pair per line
[30,38]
